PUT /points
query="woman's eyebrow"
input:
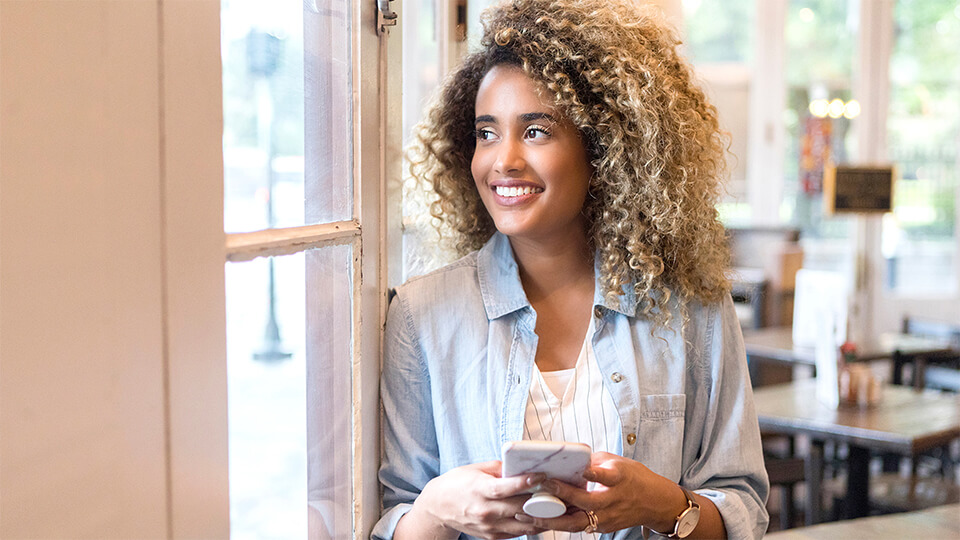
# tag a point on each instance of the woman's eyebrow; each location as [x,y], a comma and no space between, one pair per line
[530,117]
[525,117]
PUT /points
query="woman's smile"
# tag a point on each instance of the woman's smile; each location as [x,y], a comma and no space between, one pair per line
[514,193]
[511,192]
[530,166]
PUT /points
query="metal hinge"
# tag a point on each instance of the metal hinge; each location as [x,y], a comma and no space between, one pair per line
[386,16]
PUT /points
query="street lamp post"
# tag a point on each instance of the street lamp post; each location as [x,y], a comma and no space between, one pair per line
[263,54]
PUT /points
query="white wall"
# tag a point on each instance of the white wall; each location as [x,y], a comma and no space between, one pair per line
[111,271]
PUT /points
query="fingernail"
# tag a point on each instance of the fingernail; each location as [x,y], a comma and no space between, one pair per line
[523,518]
[535,479]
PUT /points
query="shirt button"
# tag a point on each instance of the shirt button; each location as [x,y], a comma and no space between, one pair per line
[631,438]
[616,377]
[598,312]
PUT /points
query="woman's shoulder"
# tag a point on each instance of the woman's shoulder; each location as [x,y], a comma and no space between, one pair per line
[442,285]
[708,310]
[710,324]
[698,321]
[458,269]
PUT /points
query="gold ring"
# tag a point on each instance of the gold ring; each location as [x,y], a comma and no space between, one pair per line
[592,525]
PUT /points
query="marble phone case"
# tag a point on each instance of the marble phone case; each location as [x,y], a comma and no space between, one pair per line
[564,461]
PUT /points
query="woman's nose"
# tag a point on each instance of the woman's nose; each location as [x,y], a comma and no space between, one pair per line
[509,157]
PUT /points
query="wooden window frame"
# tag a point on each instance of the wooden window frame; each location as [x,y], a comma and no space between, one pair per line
[196,369]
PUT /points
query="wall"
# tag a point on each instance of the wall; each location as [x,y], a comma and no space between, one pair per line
[112,383]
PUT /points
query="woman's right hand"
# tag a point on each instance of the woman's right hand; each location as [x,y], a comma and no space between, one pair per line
[472,499]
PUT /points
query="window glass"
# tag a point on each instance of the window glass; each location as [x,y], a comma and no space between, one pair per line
[719,30]
[289,364]
[923,136]
[328,95]
[277,58]
[421,75]
[266,388]
[821,42]
[288,161]
[420,59]
[719,41]
[329,374]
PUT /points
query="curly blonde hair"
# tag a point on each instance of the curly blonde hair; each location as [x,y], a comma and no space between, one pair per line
[652,137]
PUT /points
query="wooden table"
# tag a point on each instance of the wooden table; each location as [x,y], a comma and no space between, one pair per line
[905,422]
[942,522]
[776,344]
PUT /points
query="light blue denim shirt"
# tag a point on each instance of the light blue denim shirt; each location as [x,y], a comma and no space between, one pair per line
[458,356]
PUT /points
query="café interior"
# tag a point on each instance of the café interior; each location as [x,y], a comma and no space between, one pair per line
[233,223]
[855,373]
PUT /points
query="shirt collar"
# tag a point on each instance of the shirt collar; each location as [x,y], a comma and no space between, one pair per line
[502,290]
[626,303]
[499,278]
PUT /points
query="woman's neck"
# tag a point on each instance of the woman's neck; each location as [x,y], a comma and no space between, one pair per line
[549,266]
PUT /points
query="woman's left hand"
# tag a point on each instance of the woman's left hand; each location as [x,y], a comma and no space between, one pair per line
[628,495]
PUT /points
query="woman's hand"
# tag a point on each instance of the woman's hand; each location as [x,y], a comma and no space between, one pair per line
[472,499]
[628,495]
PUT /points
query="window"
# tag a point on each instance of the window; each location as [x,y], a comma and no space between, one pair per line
[302,181]
[889,72]
[821,40]
[923,137]
[719,41]
[422,73]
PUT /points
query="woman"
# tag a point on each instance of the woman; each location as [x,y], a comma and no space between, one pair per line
[576,167]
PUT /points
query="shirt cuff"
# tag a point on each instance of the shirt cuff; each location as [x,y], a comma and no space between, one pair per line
[384,528]
[739,520]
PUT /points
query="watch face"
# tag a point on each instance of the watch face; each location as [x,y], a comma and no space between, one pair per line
[688,522]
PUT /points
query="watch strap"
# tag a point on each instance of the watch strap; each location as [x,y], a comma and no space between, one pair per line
[691,504]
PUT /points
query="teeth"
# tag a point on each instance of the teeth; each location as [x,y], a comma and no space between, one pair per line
[505,191]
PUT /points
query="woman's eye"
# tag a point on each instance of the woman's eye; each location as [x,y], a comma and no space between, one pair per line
[536,132]
[483,134]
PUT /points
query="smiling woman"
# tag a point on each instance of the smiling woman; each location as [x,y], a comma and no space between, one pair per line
[651,137]
[575,167]
[531,170]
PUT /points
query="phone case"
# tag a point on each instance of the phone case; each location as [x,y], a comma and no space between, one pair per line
[564,461]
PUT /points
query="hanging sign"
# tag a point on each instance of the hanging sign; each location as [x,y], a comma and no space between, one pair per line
[856,189]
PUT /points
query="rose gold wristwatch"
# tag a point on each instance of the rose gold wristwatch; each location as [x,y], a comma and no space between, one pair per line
[687,520]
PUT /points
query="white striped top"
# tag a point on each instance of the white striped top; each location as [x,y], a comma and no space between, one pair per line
[572,405]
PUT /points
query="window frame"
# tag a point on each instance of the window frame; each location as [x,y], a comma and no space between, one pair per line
[196,375]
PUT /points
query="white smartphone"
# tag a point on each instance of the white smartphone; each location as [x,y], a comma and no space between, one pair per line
[564,461]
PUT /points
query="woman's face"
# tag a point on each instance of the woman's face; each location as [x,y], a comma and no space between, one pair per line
[530,167]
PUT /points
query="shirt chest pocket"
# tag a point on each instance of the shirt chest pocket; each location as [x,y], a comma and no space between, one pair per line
[659,437]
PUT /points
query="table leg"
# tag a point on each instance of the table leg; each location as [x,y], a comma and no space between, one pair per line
[898,362]
[919,367]
[858,482]
[814,479]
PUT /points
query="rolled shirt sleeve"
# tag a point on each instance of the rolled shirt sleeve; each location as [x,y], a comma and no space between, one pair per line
[729,467]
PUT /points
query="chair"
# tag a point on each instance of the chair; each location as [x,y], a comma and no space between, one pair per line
[748,289]
[932,478]
[785,473]
[785,470]
[892,493]
[940,370]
